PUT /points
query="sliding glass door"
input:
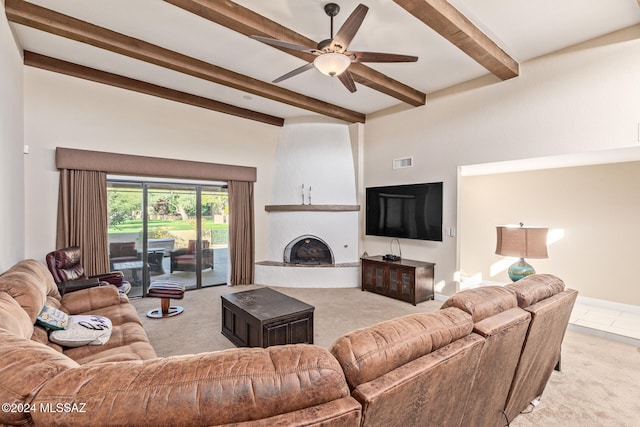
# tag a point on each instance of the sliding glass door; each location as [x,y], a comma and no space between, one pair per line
[178,232]
[214,206]
[125,228]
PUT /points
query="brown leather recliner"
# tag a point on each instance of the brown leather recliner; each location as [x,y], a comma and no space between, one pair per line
[68,273]
[415,370]
[498,319]
[545,297]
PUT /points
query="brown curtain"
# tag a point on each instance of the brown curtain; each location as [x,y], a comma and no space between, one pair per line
[241,232]
[82,217]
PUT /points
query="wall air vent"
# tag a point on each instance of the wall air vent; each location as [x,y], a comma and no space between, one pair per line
[405,162]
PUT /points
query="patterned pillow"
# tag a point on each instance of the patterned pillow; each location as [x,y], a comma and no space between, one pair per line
[83,330]
[52,318]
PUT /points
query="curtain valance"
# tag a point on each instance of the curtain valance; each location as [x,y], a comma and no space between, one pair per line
[127,164]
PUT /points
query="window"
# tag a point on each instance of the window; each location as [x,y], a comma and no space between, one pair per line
[175,230]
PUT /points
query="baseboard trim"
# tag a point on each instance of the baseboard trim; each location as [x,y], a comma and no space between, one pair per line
[610,305]
[603,334]
[440,297]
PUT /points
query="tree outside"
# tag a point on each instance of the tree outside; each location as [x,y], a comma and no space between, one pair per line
[171,213]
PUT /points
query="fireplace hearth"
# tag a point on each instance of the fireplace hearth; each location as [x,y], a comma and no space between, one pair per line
[308,250]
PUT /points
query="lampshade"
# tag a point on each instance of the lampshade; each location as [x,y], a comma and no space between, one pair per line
[522,242]
[332,63]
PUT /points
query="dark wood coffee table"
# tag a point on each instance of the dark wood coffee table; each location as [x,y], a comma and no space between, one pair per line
[264,317]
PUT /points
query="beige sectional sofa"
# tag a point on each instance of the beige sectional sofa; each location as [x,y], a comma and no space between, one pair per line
[476,361]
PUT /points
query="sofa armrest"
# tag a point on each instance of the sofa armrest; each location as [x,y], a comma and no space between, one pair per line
[204,389]
[77,285]
[114,277]
[90,299]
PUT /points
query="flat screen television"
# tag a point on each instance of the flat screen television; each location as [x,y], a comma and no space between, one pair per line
[412,211]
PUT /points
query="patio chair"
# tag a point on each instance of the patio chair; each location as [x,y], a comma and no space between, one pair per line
[123,252]
[184,259]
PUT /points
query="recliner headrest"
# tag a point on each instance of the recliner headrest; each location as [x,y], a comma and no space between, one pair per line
[483,302]
[68,257]
[535,288]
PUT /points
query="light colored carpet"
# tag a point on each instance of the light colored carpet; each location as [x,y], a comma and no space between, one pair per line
[599,384]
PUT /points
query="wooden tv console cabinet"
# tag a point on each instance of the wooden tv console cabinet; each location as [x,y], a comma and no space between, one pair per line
[406,280]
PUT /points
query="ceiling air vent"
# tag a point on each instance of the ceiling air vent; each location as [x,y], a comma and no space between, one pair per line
[405,162]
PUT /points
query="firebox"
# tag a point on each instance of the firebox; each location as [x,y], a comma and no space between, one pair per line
[308,250]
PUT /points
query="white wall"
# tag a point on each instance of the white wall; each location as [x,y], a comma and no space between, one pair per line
[62,111]
[581,99]
[318,156]
[12,222]
[591,212]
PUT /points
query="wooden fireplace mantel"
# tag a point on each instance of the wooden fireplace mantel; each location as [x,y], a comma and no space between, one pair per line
[312,208]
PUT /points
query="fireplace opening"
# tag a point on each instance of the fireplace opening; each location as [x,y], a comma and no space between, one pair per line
[308,250]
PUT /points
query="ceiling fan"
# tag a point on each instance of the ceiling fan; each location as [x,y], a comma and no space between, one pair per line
[332,56]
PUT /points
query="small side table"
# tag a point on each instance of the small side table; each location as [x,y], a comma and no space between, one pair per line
[155,259]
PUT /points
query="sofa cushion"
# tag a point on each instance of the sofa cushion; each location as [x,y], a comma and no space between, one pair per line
[21,288]
[13,318]
[118,314]
[87,301]
[371,352]
[215,388]
[535,288]
[128,339]
[32,286]
[84,330]
[483,302]
[26,367]
[41,335]
[42,277]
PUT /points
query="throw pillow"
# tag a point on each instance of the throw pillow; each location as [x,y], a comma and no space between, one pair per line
[52,318]
[84,330]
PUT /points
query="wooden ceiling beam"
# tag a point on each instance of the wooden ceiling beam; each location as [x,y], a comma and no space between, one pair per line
[63,67]
[44,19]
[250,23]
[451,24]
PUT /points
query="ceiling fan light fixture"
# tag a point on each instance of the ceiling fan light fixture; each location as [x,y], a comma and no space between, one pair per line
[332,63]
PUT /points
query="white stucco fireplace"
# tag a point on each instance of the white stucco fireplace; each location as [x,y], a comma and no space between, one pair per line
[314,199]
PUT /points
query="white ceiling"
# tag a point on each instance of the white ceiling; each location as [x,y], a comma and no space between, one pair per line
[525,29]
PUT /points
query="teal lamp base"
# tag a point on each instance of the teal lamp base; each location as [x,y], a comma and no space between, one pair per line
[520,269]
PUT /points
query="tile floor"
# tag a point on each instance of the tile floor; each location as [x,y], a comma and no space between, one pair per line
[609,323]
[618,322]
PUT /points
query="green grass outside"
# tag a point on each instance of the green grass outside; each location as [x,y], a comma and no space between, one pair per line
[135,226]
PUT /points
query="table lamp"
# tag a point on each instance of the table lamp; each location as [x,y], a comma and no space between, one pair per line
[522,242]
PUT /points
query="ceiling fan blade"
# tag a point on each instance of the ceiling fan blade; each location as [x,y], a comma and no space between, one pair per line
[349,29]
[347,80]
[380,57]
[286,45]
[294,72]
